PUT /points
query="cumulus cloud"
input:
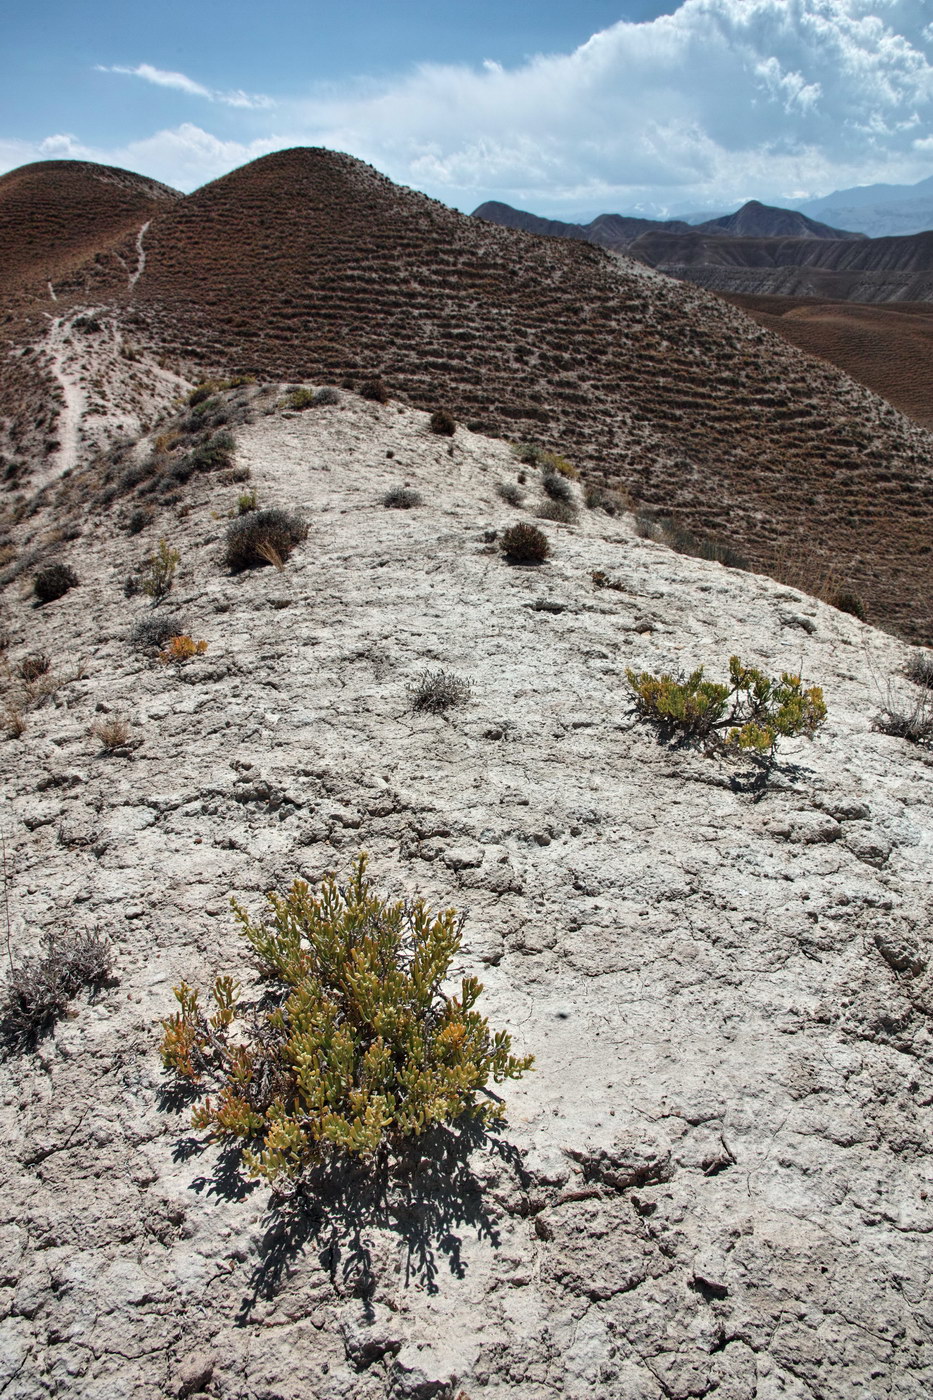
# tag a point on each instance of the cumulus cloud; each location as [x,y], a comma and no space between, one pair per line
[720,101]
[162,77]
[184,156]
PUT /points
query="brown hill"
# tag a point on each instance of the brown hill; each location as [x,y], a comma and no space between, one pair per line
[889,348]
[56,214]
[614,231]
[756,220]
[866,269]
[310,265]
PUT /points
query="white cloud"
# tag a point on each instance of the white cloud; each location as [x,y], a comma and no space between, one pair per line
[162,77]
[719,100]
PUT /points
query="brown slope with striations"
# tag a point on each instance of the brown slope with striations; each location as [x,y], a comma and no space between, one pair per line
[56,214]
[889,348]
[309,265]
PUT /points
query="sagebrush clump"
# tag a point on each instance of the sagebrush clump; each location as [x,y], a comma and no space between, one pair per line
[524,544]
[53,581]
[749,714]
[443,423]
[354,1049]
[262,537]
[402,498]
[374,390]
[151,633]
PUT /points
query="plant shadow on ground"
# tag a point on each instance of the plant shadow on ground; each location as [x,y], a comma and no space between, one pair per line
[426,1199]
[754,778]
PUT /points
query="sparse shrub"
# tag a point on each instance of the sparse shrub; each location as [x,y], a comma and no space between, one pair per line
[751,713]
[524,544]
[564,512]
[528,454]
[157,575]
[113,732]
[202,393]
[374,390]
[602,580]
[554,462]
[240,474]
[39,988]
[152,633]
[14,720]
[262,537]
[299,399]
[510,492]
[436,691]
[557,487]
[361,1048]
[848,602]
[247,501]
[402,498]
[664,530]
[919,669]
[325,397]
[608,501]
[181,649]
[33,666]
[138,520]
[443,423]
[910,719]
[53,581]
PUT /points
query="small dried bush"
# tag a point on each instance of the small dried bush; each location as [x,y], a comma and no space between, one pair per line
[53,581]
[374,390]
[436,691]
[908,718]
[262,537]
[32,667]
[848,602]
[14,720]
[664,530]
[39,988]
[556,486]
[181,649]
[751,713]
[356,1048]
[510,492]
[443,423]
[608,501]
[919,669]
[564,512]
[152,633]
[402,498]
[524,544]
[113,732]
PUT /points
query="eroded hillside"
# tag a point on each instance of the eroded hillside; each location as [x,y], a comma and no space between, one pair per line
[716,1181]
[308,262]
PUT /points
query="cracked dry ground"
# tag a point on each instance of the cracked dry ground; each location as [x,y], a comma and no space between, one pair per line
[714,1183]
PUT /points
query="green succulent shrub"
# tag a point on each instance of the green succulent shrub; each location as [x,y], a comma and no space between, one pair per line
[751,713]
[355,1048]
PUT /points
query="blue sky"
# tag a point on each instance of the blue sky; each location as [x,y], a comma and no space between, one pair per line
[566,109]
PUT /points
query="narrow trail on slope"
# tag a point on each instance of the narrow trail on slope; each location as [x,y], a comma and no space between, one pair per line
[141,261]
[68,424]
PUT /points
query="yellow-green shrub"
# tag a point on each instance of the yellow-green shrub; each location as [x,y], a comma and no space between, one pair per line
[361,1050]
[751,713]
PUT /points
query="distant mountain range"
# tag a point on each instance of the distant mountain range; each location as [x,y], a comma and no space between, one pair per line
[760,250]
[878,210]
[619,231]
